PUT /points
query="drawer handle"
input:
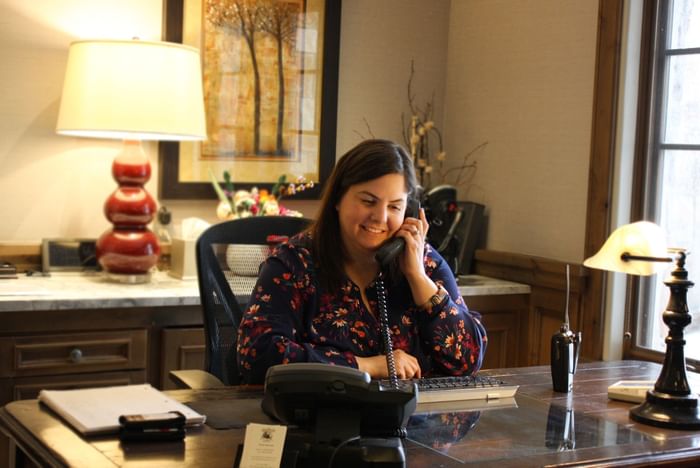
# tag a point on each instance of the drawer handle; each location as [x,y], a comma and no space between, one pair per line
[76,355]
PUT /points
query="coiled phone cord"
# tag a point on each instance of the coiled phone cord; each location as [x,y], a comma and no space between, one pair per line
[386,333]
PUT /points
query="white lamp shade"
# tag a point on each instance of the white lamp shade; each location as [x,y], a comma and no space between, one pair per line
[642,238]
[135,90]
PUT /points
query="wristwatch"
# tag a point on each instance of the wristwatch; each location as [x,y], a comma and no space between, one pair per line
[439,298]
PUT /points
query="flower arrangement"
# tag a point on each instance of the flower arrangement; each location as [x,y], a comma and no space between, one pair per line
[424,139]
[234,204]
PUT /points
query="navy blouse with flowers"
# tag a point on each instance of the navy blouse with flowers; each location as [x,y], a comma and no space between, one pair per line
[291,319]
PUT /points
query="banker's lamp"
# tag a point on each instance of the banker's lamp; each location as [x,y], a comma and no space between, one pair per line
[640,249]
[131,90]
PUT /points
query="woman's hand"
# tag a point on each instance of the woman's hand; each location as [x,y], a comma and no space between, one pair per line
[407,366]
[413,231]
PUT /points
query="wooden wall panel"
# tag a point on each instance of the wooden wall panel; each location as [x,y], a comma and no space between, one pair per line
[547,278]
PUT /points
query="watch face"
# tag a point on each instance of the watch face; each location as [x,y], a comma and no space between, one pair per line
[438,297]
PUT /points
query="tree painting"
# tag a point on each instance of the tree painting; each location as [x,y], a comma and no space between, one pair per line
[261,25]
[280,21]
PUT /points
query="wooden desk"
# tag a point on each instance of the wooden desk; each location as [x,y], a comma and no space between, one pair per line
[509,436]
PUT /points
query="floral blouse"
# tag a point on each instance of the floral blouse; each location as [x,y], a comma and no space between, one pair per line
[290,318]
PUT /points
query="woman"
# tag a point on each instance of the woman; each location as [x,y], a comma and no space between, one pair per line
[316,296]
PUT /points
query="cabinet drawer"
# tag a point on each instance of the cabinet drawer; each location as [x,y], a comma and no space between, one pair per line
[72,353]
[29,387]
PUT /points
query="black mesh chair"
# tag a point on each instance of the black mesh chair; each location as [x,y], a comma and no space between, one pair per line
[228,257]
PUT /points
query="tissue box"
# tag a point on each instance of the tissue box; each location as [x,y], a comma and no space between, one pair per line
[182,259]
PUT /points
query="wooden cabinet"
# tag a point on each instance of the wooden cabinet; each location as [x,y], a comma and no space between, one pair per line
[505,318]
[31,363]
[548,284]
[72,353]
[183,348]
[29,387]
[65,349]
[70,348]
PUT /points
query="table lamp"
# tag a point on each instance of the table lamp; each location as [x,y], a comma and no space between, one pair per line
[640,249]
[132,90]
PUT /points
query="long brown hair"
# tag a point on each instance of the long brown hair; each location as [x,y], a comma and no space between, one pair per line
[368,160]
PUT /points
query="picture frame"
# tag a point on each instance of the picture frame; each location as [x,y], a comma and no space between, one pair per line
[314,138]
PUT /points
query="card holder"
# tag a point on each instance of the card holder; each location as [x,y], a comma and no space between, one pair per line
[152,427]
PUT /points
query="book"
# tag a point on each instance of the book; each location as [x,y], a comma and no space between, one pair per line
[96,410]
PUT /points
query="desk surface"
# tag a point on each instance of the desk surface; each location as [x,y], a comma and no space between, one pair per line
[545,428]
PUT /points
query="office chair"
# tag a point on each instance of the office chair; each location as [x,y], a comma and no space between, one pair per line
[228,256]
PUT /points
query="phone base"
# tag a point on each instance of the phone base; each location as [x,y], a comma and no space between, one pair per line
[300,449]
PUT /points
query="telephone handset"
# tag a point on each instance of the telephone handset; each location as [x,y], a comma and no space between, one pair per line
[394,246]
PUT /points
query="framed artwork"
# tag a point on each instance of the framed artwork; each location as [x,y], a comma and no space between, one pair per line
[270,77]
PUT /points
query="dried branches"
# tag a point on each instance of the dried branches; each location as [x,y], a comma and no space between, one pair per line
[424,139]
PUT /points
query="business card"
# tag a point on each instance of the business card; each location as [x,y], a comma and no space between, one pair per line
[263,446]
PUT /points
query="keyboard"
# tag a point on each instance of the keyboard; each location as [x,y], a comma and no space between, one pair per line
[440,389]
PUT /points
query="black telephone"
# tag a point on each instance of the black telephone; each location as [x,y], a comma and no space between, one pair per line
[338,412]
[394,246]
[305,393]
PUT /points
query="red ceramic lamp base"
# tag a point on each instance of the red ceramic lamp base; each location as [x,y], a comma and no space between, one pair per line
[130,250]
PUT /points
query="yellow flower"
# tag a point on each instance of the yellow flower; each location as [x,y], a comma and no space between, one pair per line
[271,208]
[223,210]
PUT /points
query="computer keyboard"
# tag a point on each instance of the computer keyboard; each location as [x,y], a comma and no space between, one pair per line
[439,389]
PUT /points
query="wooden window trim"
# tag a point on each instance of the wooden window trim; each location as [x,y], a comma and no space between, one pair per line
[601,167]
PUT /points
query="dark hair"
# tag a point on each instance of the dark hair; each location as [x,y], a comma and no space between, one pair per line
[368,160]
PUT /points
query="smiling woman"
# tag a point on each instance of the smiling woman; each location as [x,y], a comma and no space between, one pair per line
[318,296]
[370,213]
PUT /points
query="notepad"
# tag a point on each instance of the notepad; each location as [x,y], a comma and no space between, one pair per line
[97,410]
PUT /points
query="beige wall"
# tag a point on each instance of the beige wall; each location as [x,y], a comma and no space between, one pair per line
[516,73]
[53,186]
[520,76]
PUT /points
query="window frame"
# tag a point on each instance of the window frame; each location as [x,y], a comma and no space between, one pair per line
[654,56]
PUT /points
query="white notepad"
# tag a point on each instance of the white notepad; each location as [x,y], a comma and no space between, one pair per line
[97,410]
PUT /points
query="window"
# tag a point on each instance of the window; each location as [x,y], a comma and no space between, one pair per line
[669,161]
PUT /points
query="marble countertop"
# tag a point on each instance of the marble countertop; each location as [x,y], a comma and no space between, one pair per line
[63,291]
[476,285]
